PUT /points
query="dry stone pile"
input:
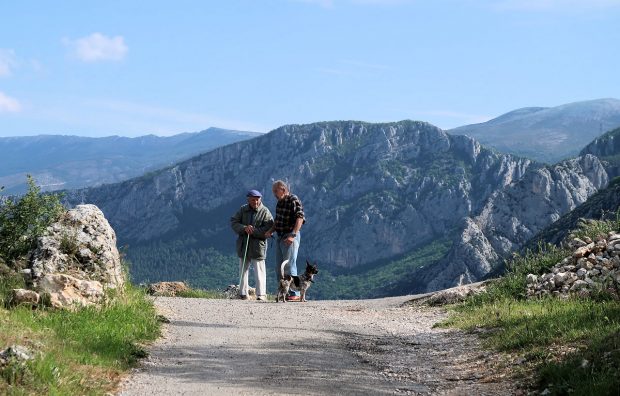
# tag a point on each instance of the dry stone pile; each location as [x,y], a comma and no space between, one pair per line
[594,266]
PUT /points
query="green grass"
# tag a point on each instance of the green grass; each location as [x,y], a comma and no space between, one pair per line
[569,346]
[81,352]
[554,336]
[200,293]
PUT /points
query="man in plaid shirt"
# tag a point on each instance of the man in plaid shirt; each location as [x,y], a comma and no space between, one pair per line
[288,222]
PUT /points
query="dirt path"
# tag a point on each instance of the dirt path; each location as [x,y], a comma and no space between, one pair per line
[360,347]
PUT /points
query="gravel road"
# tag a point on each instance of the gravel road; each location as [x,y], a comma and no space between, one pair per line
[355,347]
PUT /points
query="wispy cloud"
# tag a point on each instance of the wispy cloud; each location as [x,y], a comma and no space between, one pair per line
[9,104]
[98,47]
[8,61]
[555,5]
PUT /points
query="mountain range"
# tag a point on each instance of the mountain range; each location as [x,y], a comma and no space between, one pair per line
[404,203]
[67,162]
[547,134]
[393,208]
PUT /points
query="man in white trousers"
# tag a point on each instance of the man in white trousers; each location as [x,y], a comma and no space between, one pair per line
[250,223]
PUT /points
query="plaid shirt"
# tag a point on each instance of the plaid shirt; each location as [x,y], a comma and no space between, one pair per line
[288,209]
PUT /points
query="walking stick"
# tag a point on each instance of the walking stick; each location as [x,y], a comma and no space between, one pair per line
[247,242]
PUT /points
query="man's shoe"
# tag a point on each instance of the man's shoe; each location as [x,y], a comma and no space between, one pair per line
[261,298]
[293,298]
[243,297]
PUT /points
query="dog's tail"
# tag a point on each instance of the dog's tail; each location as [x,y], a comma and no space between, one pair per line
[282,268]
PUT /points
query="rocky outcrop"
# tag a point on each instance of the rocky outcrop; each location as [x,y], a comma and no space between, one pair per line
[68,291]
[515,214]
[593,267]
[607,147]
[167,289]
[81,244]
[75,261]
[24,297]
[601,206]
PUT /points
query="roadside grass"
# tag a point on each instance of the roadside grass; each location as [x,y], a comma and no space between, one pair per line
[564,346]
[201,293]
[211,294]
[80,352]
[572,346]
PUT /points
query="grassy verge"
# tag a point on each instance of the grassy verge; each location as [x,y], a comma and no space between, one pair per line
[567,346]
[200,293]
[82,352]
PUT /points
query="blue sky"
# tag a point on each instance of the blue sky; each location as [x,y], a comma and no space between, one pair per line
[164,67]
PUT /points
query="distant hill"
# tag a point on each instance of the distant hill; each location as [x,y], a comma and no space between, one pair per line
[547,134]
[67,162]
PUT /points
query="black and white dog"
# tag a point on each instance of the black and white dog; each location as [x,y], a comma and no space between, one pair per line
[298,283]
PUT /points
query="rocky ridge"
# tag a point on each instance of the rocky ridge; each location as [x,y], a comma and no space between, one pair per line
[513,215]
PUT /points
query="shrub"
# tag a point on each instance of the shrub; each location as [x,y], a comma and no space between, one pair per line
[24,219]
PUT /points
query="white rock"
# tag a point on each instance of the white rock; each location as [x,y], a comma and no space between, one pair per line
[66,291]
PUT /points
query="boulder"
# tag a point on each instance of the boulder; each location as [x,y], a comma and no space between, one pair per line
[24,297]
[454,294]
[66,291]
[82,245]
[232,292]
[15,353]
[166,289]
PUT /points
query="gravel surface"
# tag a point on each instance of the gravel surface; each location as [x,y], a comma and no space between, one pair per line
[355,347]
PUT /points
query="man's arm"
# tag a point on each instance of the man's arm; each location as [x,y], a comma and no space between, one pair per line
[235,222]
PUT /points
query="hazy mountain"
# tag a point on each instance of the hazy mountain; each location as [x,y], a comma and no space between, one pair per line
[547,134]
[402,203]
[64,162]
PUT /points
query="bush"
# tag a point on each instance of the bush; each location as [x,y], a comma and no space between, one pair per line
[24,219]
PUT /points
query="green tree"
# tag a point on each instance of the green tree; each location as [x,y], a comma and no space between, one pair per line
[25,218]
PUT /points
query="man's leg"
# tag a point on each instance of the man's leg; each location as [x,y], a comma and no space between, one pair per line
[243,286]
[292,259]
[279,257]
[261,278]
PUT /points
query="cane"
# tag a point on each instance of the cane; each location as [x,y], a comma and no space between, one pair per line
[247,242]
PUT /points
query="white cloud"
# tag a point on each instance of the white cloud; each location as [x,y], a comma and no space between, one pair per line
[97,47]
[7,62]
[8,104]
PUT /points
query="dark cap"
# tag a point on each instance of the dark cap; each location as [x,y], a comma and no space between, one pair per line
[254,193]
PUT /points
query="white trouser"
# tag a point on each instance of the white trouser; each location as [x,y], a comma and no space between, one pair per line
[259,274]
